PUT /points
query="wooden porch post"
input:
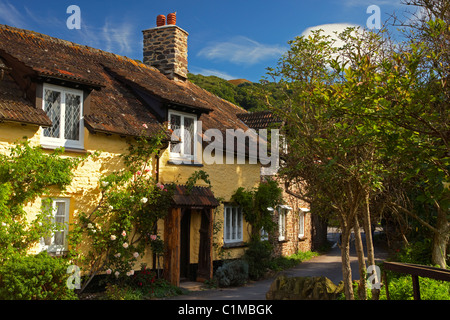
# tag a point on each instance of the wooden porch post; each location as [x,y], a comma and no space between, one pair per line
[172,246]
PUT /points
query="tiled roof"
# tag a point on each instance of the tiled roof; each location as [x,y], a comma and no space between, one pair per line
[196,197]
[13,106]
[115,107]
[259,120]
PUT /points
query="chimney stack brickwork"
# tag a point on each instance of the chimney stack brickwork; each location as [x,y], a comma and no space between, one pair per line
[165,48]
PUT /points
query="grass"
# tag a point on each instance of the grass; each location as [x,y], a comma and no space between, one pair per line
[159,289]
[282,263]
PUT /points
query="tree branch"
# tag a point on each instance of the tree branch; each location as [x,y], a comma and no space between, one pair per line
[415,216]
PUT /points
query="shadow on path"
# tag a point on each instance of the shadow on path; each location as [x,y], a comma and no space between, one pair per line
[328,265]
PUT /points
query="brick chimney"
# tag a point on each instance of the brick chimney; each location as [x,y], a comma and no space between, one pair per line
[165,48]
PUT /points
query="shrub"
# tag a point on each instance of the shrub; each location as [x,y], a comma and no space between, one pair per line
[401,288]
[144,279]
[232,273]
[162,288]
[115,292]
[35,277]
[142,285]
[282,263]
[258,257]
[418,252]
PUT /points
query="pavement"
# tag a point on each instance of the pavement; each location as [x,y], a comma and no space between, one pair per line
[328,265]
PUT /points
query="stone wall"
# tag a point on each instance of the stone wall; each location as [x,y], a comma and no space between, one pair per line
[165,48]
[292,242]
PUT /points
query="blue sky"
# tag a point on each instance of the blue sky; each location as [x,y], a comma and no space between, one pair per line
[228,38]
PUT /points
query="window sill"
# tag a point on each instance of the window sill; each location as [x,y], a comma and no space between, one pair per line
[240,244]
[58,253]
[66,149]
[181,162]
[302,238]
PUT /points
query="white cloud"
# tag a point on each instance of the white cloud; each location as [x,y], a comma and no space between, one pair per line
[11,16]
[212,72]
[120,38]
[332,30]
[112,37]
[55,22]
[241,50]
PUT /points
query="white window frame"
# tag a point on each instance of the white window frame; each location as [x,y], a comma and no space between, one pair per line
[301,224]
[181,155]
[282,224]
[283,210]
[233,224]
[52,142]
[48,244]
[264,235]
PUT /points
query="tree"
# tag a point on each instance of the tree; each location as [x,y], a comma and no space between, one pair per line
[418,105]
[363,115]
[331,154]
[255,204]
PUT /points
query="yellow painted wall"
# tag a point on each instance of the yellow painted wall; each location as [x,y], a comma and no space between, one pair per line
[225,179]
[84,191]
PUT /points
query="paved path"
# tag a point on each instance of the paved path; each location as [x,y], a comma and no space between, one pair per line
[328,265]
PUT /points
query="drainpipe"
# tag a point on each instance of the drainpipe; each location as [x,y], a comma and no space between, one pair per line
[157,167]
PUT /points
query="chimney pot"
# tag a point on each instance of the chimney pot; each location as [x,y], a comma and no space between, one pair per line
[172,18]
[160,20]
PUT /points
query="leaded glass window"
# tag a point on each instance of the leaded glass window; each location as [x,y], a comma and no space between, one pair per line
[183,128]
[64,107]
[57,213]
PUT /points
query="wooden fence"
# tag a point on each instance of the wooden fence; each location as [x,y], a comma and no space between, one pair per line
[416,271]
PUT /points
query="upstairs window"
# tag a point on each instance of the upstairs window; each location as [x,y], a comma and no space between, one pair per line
[64,107]
[184,128]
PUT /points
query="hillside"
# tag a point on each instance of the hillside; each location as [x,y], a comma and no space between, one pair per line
[237,82]
[240,92]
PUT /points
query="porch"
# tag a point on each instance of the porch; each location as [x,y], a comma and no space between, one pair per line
[188,235]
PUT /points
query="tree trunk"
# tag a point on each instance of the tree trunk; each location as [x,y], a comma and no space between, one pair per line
[362,294]
[346,268]
[440,240]
[369,241]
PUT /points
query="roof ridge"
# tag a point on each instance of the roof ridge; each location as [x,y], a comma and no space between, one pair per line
[256,113]
[73,45]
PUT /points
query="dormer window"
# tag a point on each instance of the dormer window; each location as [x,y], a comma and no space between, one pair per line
[64,107]
[184,128]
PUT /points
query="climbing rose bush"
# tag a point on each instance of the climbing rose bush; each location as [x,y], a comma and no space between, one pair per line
[124,223]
